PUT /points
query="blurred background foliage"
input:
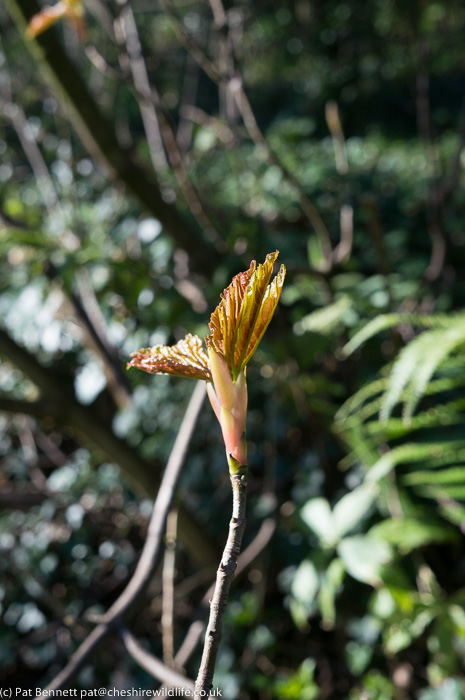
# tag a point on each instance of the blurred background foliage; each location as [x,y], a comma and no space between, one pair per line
[334,132]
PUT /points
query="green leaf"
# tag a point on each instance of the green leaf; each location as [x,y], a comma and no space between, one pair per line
[315,254]
[409,533]
[329,587]
[353,507]
[452,475]
[378,324]
[364,557]
[317,514]
[432,454]
[416,365]
[325,320]
[305,585]
[385,321]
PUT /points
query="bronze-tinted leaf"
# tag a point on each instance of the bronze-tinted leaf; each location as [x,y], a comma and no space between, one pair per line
[263,316]
[246,308]
[185,359]
[223,320]
[45,18]
[71,10]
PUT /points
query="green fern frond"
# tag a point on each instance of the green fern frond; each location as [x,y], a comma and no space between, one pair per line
[416,365]
[358,399]
[326,319]
[448,414]
[378,324]
[431,455]
[385,321]
[443,493]
[442,343]
[451,475]
[354,411]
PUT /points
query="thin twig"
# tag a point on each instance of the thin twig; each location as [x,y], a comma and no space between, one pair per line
[154,112]
[46,187]
[198,116]
[169,565]
[150,552]
[187,99]
[224,577]
[152,665]
[128,27]
[232,79]
[191,46]
[342,251]
[434,218]
[196,629]
[249,554]
[87,312]
[94,429]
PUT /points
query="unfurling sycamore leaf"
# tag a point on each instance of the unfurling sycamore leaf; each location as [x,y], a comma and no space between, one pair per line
[71,10]
[185,359]
[236,328]
[246,308]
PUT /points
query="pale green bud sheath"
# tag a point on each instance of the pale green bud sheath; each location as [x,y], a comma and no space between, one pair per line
[222,381]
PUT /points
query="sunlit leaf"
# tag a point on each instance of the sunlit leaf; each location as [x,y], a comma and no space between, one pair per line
[409,533]
[185,359]
[246,308]
[364,557]
[352,508]
[317,515]
[305,584]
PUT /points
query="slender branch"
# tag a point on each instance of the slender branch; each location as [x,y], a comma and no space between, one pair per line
[187,98]
[89,315]
[88,309]
[21,500]
[154,111]
[152,665]
[194,633]
[37,409]
[169,567]
[126,25]
[198,116]
[232,79]
[92,427]
[191,46]
[150,552]
[224,577]
[434,214]
[96,326]
[98,135]
[342,251]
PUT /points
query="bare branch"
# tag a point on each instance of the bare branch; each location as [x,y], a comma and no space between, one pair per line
[227,74]
[126,25]
[169,568]
[152,665]
[151,550]
[93,428]
[224,577]
[157,122]
[191,46]
[98,135]
[21,500]
[346,219]
[195,631]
